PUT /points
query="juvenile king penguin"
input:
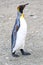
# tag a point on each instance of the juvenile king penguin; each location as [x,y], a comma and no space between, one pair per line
[19,33]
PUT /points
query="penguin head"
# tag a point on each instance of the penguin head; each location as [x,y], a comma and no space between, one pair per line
[20,8]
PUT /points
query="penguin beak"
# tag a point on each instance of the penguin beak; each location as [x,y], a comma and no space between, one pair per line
[26,4]
[21,7]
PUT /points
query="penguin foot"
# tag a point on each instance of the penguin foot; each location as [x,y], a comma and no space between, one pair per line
[15,55]
[24,53]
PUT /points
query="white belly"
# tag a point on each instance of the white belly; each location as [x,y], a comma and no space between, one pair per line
[23,28]
[21,35]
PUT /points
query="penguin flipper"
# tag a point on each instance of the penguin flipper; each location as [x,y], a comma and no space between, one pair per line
[11,42]
[17,27]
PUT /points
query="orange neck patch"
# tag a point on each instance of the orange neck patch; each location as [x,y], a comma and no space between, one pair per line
[22,15]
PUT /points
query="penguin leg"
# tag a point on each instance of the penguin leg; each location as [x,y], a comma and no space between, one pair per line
[22,50]
[14,54]
[24,53]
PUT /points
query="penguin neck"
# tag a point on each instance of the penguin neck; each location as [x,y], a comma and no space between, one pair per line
[20,15]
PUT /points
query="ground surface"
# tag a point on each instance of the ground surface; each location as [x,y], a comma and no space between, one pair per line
[34,40]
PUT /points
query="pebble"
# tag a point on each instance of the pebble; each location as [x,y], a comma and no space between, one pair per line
[10,18]
[35,16]
[32,32]
[37,31]
[7,57]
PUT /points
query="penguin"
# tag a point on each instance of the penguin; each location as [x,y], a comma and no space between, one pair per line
[19,32]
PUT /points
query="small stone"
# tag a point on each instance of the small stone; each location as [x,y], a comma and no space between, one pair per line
[37,31]
[35,16]
[10,18]
[31,15]
[7,57]
[32,32]
[30,50]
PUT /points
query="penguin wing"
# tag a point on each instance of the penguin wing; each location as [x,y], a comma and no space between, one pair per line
[14,33]
[17,27]
[17,24]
